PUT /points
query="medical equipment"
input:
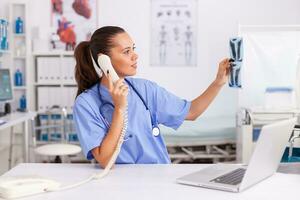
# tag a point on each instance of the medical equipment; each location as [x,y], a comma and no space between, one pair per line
[208,139]
[7,191]
[236,56]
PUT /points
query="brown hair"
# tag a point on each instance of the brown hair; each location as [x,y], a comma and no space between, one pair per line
[101,42]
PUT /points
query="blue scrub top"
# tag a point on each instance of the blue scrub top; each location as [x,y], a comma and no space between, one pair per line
[141,146]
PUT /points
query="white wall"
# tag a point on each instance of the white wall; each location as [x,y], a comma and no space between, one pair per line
[217,21]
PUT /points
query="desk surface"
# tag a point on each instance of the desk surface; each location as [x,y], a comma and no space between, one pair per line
[15,118]
[149,182]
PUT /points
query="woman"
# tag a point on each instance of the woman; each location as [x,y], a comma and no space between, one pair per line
[100,104]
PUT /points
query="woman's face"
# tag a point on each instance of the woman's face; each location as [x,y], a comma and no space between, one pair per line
[122,55]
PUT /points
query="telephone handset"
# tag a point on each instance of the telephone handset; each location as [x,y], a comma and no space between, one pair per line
[32,185]
[105,64]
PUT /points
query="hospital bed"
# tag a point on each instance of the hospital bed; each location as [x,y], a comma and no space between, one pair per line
[207,139]
[249,123]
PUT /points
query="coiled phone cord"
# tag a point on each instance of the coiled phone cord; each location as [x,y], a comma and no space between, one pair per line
[108,166]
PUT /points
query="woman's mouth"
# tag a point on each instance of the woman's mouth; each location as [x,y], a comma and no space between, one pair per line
[134,65]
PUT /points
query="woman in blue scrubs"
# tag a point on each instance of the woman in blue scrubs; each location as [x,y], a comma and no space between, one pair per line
[100,104]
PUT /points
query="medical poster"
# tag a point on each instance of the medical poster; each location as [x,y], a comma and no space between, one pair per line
[73,21]
[173,33]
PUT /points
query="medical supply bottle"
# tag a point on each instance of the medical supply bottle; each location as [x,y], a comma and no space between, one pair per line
[3,34]
[19,26]
[18,78]
[22,103]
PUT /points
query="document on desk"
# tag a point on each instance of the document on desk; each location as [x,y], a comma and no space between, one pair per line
[2,122]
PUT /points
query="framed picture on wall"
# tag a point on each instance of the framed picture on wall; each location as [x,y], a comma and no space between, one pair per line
[173,33]
[72,21]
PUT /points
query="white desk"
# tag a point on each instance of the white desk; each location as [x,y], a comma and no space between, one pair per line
[153,182]
[18,118]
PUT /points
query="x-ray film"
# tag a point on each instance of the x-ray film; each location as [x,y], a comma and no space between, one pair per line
[236,58]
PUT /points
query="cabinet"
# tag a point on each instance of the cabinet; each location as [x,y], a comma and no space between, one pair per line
[54,80]
[55,86]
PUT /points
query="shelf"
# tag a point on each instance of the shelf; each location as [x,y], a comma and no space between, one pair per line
[19,88]
[4,51]
[19,35]
[69,84]
[55,84]
[40,142]
[54,53]
[47,84]
[19,57]
[52,113]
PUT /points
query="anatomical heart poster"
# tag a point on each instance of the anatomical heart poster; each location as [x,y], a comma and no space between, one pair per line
[73,21]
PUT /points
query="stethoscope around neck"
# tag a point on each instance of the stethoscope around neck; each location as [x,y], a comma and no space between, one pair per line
[154,124]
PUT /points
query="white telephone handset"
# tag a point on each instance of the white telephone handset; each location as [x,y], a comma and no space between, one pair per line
[35,185]
[105,64]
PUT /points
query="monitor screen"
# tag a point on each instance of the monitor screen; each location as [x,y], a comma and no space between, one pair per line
[5,85]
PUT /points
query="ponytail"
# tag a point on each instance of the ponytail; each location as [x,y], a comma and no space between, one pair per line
[101,42]
[85,73]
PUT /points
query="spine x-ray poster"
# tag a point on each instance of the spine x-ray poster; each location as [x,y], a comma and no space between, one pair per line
[173,33]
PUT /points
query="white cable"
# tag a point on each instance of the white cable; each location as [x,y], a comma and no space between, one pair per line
[108,166]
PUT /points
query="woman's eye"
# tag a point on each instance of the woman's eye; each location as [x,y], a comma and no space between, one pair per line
[127,52]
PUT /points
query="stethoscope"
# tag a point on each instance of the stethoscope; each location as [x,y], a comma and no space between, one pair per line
[154,124]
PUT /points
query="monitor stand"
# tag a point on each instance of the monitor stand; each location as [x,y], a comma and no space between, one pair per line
[2,111]
[4,108]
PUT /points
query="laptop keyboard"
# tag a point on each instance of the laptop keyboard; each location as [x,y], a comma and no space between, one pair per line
[232,178]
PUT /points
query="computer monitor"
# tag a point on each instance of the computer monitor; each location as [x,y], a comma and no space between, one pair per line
[6,93]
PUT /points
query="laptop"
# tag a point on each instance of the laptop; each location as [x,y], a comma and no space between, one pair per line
[264,162]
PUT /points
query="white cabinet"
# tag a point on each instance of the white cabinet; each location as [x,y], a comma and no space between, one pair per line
[55,86]
[55,82]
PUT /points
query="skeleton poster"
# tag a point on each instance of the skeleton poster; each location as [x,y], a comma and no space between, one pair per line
[173,33]
[73,21]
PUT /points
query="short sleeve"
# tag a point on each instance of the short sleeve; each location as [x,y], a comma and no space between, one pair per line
[170,110]
[89,126]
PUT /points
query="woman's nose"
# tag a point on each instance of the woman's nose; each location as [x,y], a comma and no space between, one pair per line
[135,56]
